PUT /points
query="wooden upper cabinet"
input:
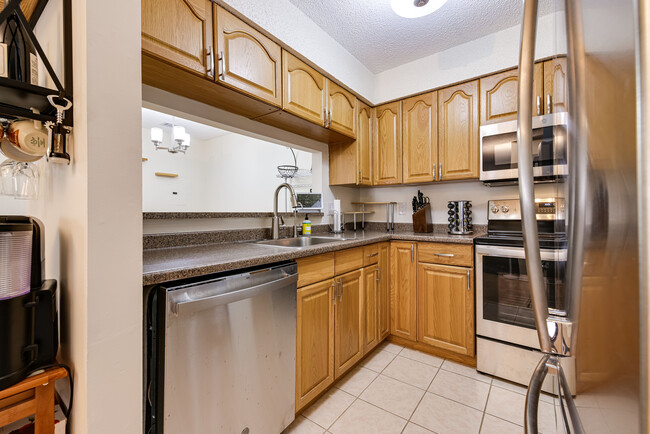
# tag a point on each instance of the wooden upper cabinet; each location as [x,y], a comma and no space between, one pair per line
[304,90]
[350,163]
[364,144]
[556,86]
[248,60]
[446,308]
[403,290]
[314,341]
[342,110]
[458,131]
[499,95]
[420,138]
[178,31]
[348,339]
[387,144]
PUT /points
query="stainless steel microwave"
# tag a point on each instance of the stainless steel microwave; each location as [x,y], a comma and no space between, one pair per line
[550,152]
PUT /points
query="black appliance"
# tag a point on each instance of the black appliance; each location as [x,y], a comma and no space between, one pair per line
[29,332]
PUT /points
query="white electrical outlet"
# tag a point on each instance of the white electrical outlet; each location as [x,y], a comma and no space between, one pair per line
[401,206]
[330,207]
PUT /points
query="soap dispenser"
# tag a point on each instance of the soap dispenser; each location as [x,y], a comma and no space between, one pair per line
[306,226]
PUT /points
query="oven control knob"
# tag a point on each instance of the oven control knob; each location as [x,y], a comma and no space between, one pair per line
[495,210]
[505,209]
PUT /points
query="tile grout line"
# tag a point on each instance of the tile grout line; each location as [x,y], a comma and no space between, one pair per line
[485,408]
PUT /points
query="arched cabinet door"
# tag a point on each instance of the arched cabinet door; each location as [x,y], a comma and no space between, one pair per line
[178,32]
[342,110]
[387,144]
[499,95]
[304,90]
[420,138]
[458,131]
[556,87]
[246,59]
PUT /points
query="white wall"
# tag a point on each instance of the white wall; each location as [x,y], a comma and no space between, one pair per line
[92,216]
[441,193]
[485,55]
[289,24]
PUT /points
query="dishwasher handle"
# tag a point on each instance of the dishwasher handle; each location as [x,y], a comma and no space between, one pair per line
[183,302]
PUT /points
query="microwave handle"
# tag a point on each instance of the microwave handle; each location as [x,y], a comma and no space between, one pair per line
[525,165]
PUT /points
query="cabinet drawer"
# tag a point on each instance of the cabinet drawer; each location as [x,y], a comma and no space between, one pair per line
[348,260]
[446,254]
[370,254]
[315,269]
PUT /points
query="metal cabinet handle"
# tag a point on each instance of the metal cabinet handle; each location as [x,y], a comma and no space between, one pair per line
[378,271]
[329,123]
[444,255]
[525,166]
[412,248]
[549,104]
[360,176]
[341,292]
[222,67]
[468,284]
[440,172]
[434,171]
[539,105]
[373,254]
[210,61]
[334,294]
[325,117]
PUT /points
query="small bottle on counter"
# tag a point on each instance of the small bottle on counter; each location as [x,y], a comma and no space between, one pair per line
[306,226]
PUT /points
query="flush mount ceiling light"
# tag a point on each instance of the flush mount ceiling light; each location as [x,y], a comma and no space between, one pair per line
[415,8]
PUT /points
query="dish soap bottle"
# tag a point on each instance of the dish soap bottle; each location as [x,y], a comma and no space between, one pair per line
[306,226]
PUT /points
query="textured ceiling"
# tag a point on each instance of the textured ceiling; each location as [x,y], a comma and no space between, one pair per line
[380,39]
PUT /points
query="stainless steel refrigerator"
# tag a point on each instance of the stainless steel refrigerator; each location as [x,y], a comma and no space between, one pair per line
[605,323]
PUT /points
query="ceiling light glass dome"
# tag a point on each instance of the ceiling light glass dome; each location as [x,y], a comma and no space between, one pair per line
[415,8]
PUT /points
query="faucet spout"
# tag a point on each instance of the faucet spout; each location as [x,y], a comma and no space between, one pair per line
[275,220]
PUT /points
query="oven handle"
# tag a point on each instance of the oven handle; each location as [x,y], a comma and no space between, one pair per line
[559,255]
[525,166]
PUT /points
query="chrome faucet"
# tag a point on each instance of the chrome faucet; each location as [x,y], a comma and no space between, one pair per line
[275,220]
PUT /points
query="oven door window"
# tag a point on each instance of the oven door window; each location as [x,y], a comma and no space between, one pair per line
[549,149]
[506,291]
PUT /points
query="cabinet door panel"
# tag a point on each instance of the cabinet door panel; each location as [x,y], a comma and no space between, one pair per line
[458,131]
[342,108]
[178,31]
[556,86]
[249,61]
[370,309]
[304,90]
[387,146]
[348,322]
[446,308]
[420,138]
[383,272]
[364,144]
[499,95]
[314,341]
[403,290]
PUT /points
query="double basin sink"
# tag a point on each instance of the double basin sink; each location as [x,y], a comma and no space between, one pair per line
[299,242]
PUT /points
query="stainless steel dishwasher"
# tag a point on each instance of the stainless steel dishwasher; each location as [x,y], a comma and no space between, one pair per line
[221,353]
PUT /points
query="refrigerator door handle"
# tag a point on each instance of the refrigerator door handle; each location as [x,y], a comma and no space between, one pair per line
[532,395]
[525,164]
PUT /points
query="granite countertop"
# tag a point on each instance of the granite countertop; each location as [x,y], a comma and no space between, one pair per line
[173,263]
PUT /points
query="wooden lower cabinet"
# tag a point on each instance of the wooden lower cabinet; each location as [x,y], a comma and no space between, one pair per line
[383,271]
[370,308]
[446,307]
[403,289]
[348,329]
[314,341]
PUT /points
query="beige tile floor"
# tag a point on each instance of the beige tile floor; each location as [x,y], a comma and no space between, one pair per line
[399,390]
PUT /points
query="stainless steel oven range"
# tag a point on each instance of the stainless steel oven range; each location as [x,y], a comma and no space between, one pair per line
[507,342]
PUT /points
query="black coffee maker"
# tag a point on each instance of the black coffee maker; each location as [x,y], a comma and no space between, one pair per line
[29,332]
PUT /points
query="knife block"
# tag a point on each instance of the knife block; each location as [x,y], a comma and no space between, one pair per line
[422,220]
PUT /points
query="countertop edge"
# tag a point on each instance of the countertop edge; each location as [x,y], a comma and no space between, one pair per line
[158,277]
